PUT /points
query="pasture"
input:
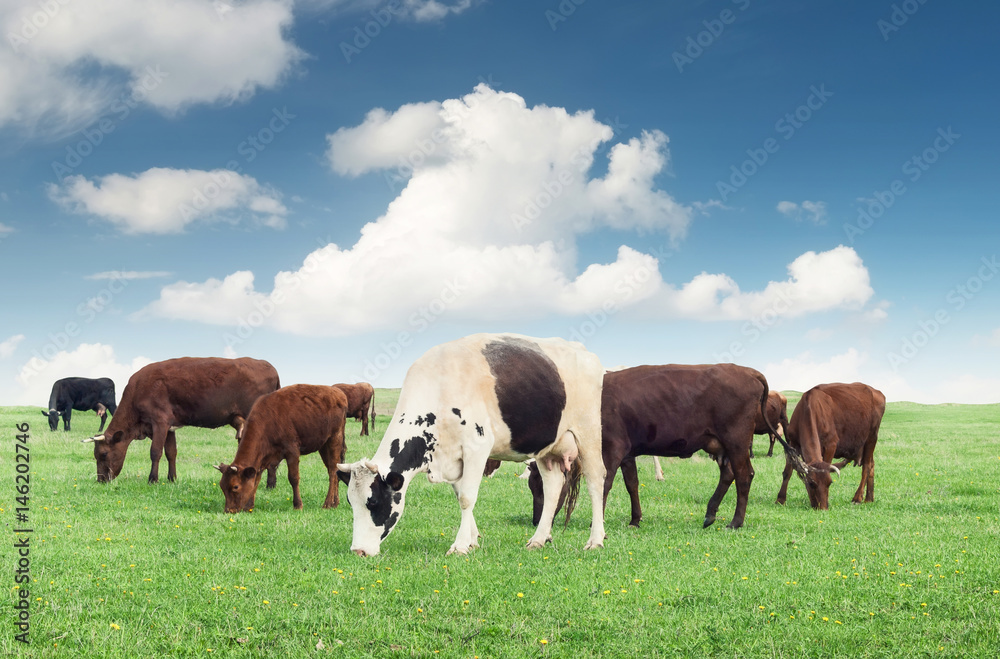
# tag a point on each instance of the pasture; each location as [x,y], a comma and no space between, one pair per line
[131,569]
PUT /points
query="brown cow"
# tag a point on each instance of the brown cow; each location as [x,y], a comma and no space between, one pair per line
[777,419]
[834,421]
[205,392]
[676,410]
[283,425]
[359,397]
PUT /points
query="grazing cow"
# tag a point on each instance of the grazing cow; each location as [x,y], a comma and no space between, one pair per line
[205,392]
[360,397]
[834,421]
[676,410]
[283,425]
[82,394]
[777,419]
[504,396]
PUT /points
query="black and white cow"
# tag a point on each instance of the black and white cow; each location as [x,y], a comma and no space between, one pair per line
[504,396]
[82,394]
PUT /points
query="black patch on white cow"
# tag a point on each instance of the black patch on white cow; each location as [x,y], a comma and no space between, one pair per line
[457,412]
[530,392]
[391,522]
[413,454]
[379,504]
[479,430]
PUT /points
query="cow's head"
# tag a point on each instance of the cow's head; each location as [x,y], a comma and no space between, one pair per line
[109,453]
[377,501]
[239,485]
[817,479]
[53,416]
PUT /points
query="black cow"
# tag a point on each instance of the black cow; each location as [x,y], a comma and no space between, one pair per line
[84,394]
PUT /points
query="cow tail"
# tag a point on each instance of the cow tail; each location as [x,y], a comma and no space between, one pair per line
[573,485]
[373,409]
[794,455]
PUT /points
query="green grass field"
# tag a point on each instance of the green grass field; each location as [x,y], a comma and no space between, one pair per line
[129,569]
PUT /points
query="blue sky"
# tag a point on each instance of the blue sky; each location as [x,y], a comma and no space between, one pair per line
[553,169]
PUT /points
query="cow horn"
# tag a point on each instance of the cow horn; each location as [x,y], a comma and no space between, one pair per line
[90,440]
[832,468]
[233,468]
[372,467]
[346,468]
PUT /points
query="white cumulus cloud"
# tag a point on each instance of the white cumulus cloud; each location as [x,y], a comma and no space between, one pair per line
[817,282]
[65,63]
[494,195]
[162,200]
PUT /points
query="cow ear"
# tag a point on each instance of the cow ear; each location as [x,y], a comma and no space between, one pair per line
[45,413]
[394,479]
[249,473]
[117,437]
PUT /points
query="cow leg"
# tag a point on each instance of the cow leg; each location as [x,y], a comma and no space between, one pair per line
[292,460]
[170,448]
[785,476]
[364,421]
[770,450]
[66,417]
[725,480]
[552,483]
[743,471]
[867,475]
[104,418]
[159,438]
[330,458]
[592,466]
[659,469]
[467,491]
[631,477]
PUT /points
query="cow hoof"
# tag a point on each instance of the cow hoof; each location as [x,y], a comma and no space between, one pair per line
[457,550]
[708,522]
[535,544]
[593,544]
[779,502]
[634,523]
[733,526]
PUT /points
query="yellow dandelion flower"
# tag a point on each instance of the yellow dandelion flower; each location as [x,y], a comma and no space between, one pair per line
[543,642]
[520,594]
[114,626]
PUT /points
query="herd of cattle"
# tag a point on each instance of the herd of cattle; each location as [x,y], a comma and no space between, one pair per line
[469,403]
